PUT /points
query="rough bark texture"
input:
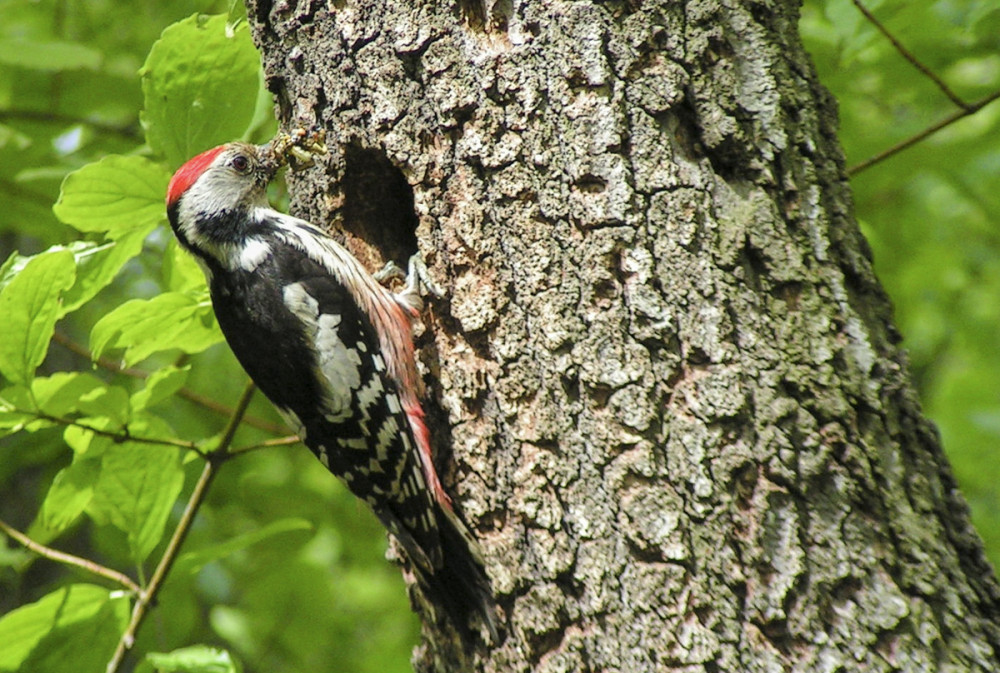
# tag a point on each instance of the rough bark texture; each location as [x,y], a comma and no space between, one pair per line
[665,378]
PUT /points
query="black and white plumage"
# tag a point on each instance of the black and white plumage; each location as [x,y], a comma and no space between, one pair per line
[333,351]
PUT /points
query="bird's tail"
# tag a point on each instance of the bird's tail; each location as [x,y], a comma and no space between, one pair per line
[460,585]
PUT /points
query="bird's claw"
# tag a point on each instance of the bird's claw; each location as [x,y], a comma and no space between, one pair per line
[416,279]
[418,275]
[389,273]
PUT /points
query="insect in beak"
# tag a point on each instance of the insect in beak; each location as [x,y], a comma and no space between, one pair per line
[298,149]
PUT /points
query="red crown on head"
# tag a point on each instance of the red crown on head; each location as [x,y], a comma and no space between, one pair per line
[187,174]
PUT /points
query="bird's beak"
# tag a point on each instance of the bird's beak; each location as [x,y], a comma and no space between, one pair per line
[271,161]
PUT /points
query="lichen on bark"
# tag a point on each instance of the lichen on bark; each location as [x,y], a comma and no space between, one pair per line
[665,381]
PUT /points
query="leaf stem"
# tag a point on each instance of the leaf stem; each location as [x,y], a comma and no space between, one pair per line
[70,559]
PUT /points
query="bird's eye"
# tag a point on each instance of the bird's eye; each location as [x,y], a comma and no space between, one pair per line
[241,163]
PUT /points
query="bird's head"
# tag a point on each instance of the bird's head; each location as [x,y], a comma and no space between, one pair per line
[227,180]
[218,199]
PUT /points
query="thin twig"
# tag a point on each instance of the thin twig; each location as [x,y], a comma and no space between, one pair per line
[186,393]
[269,444]
[116,436]
[234,422]
[145,598]
[223,410]
[70,559]
[930,130]
[908,55]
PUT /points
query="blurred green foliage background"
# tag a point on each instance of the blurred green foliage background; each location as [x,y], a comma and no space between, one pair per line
[313,592]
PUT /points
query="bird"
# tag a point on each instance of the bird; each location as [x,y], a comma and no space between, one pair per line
[332,349]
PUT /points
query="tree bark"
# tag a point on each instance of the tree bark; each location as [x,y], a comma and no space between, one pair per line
[665,384]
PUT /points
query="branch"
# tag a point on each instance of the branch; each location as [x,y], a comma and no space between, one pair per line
[125,436]
[930,130]
[964,109]
[234,422]
[70,559]
[145,598]
[270,443]
[186,393]
[908,55]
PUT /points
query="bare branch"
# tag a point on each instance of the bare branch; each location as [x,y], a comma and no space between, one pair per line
[234,422]
[125,436]
[930,130]
[290,440]
[70,559]
[908,55]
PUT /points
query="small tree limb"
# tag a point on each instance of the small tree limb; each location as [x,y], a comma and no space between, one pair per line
[69,559]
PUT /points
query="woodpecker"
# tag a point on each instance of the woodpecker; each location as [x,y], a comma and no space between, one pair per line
[332,349]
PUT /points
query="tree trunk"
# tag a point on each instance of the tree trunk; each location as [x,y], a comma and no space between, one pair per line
[665,382]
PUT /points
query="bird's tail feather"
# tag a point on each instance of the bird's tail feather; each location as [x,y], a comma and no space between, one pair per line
[460,585]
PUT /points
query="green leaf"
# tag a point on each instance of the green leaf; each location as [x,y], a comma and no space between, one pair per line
[83,441]
[194,659]
[117,194]
[12,421]
[50,56]
[237,15]
[109,405]
[12,266]
[159,386]
[135,491]
[145,326]
[59,395]
[97,266]
[88,643]
[199,85]
[193,561]
[16,409]
[30,306]
[70,493]
[181,272]
[23,630]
